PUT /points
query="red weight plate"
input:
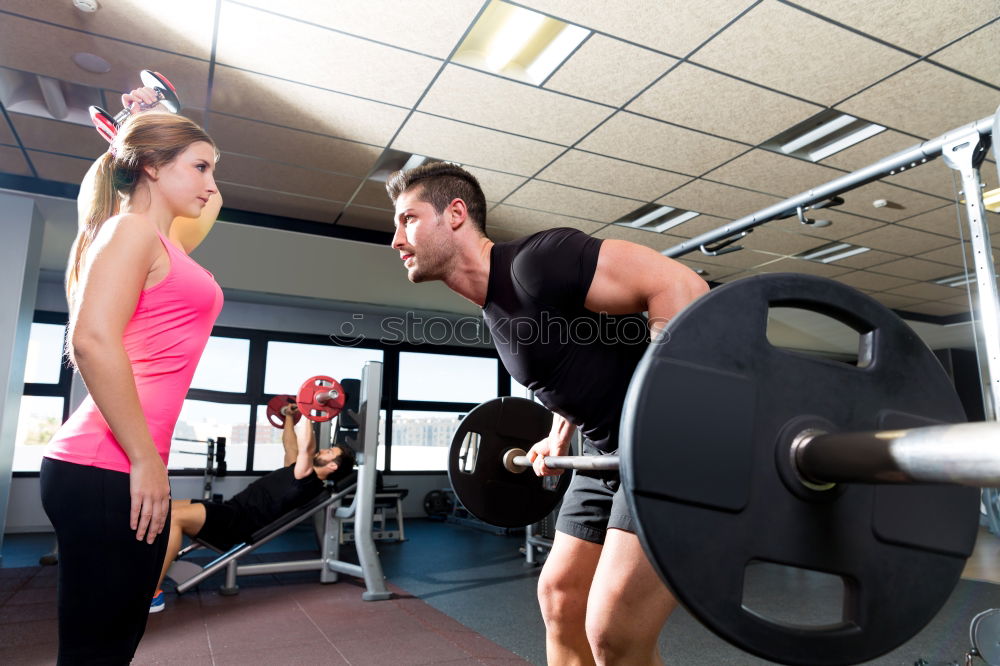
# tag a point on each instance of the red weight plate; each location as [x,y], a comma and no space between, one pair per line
[274,407]
[321,398]
[104,123]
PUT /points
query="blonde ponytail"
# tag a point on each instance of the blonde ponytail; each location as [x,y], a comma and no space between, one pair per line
[98,191]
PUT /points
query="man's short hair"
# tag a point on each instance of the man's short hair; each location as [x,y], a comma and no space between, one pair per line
[345,463]
[442,183]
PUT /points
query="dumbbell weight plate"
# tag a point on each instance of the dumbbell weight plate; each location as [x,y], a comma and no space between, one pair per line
[309,395]
[705,434]
[475,464]
[158,82]
[274,407]
[104,122]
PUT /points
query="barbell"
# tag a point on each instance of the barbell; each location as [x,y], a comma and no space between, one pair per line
[319,399]
[735,452]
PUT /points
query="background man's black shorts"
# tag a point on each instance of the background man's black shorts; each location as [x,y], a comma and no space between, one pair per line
[223,526]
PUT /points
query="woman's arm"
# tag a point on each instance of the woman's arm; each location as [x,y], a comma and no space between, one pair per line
[114,273]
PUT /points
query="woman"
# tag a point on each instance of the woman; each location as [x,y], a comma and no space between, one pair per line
[141,312]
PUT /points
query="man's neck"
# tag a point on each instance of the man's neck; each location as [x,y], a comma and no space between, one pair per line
[470,277]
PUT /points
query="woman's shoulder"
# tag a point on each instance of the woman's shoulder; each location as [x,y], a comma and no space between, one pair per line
[131,228]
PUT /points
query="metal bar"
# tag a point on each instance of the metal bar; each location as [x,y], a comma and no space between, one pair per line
[573,462]
[965,154]
[965,453]
[905,159]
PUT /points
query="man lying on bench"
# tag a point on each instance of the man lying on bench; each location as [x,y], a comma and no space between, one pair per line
[228,523]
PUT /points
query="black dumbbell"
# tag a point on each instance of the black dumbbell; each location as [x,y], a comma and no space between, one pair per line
[107,125]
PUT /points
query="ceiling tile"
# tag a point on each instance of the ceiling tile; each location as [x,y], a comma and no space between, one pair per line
[427,26]
[843,224]
[708,270]
[917,269]
[496,185]
[673,26]
[28,46]
[779,242]
[792,265]
[952,255]
[373,195]
[524,222]
[288,145]
[285,178]
[765,171]
[900,240]
[366,218]
[467,144]
[571,201]
[976,55]
[658,242]
[924,291]
[902,203]
[872,281]
[934,178]
[701,99]
[916,26]
[648,141]
[925,100]
[6,136]
[789,50]
[604,174]
[180,26]
[58,167]
[281,47]
[870,151]
[466,94]
[294,105]
[741,259]
[608,70]
[938,309]
[12,161]
[944,221]
[240,197]
[717,199]
[58,137]
[896,301]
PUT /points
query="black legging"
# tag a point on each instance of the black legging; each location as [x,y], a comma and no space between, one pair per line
[106,577]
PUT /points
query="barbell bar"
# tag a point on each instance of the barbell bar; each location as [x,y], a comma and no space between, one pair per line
[967,454]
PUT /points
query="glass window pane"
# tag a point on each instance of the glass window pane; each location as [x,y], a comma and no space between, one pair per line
[45,353]
[223,366]
[446,378]
[291,363]
[519,391]
[37,421]
[268,451]
[200,420]
[420,440]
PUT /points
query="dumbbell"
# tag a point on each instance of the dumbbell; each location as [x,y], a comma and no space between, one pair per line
[107,125]
[278,409]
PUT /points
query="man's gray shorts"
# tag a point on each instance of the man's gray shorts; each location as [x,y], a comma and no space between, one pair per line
[594,503]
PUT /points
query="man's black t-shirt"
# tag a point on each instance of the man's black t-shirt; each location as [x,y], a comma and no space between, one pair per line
[272,496]
[578,363]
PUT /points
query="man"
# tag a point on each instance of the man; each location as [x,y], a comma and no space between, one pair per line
[225,524]
[601,599]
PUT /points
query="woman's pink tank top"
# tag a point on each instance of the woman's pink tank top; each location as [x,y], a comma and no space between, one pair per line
[164,340]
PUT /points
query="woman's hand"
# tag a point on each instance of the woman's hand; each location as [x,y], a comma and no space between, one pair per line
[139,100]
[150,490]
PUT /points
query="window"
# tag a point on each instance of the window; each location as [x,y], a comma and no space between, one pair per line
[38,420]
[446,378]
[45,353]
[421,439]
[291,363]
[200,420]
[519,391]
[223,365]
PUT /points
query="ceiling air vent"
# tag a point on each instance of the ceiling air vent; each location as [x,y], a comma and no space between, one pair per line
[45,97]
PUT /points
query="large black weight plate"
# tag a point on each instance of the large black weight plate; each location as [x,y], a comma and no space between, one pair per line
[705,430]
[489,491]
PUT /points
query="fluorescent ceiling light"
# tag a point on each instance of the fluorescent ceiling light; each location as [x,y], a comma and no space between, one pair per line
[556,52]
[825,251]
[649,217]
[956,280]
[515,33]
[991,200]
[413,162]
[674,221]
[823,130]
[844,255]
[845,142]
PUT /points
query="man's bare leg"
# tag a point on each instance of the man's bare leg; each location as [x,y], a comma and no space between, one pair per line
[563,587]
[185,518]
[628,604]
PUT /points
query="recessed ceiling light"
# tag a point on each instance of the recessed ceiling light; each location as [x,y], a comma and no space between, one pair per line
[92,63]
[88,6]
